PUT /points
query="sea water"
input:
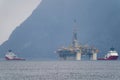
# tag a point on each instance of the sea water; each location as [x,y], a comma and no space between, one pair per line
[60,70]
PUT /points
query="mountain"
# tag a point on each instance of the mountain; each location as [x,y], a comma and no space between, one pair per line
[51,25]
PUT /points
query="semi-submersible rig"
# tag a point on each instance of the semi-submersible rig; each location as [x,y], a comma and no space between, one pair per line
[76,51]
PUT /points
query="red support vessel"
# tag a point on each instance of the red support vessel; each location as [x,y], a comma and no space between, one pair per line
[11,56]
[111,55]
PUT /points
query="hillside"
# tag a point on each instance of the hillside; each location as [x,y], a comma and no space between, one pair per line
[51,24]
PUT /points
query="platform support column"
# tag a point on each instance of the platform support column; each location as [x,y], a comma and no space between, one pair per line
[94,56]
[78,56]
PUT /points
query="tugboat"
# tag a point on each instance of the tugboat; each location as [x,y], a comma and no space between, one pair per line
[111,55]
[11,56]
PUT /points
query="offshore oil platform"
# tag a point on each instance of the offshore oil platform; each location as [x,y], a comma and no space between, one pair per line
[76,51]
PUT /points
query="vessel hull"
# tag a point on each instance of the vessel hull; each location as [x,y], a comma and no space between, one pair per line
[14,59]
[109,58]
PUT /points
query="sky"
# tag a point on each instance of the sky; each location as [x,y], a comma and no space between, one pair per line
[13,13]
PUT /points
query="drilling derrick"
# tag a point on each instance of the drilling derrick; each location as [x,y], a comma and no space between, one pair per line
[76,51]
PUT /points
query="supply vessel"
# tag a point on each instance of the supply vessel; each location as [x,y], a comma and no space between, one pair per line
[12,56]
[111,55]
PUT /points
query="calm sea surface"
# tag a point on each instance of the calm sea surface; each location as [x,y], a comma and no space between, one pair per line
[60,70]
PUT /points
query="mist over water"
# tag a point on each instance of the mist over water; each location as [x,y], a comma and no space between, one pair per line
[60,70]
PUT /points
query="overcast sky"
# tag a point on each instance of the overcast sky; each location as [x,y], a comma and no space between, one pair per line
[13,13]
